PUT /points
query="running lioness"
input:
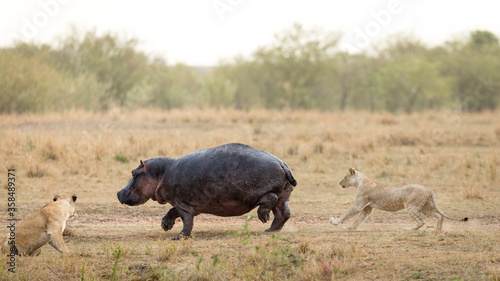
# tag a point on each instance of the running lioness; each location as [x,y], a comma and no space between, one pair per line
[416,199]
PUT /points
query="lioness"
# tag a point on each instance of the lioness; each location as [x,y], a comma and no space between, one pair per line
[416,199]
[42,227]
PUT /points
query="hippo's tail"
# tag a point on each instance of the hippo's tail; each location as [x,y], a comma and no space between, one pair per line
[288,173]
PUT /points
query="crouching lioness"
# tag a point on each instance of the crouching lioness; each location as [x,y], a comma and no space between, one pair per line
[416,199]
[42,227]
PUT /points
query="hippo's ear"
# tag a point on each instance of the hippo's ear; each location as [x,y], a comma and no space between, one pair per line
[352,171]
[142,164]
[73,197]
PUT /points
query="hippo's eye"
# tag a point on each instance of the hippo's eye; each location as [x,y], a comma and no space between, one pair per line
[133,173]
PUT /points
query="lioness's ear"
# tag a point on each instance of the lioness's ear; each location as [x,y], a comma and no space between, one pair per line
[73,197]
[56,197]
[352,171]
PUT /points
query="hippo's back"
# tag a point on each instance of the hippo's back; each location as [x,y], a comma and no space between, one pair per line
[231,172]
[233,161]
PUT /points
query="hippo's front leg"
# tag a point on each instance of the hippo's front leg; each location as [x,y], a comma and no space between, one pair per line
[187,221]
[168,221]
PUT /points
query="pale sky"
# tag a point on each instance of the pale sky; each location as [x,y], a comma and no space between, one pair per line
[201,33]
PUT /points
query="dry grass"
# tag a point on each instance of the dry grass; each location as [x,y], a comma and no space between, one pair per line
[472,192]
[87,154]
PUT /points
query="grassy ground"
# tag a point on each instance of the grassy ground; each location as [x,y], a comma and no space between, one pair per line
[455,155]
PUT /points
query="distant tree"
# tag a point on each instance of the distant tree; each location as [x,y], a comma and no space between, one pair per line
[298,69]
[403,78]
[480,38]
[352,69]
[475,70]
[113,61]
[245,76]
[27,82]
[173,86]
[219,91]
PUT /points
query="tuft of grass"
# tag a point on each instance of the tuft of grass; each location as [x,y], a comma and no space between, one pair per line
[243,236]
[117,254]
[168,251]
[121,158]
[82,272]
[492,167]
[198,263]
[49,151]
[416,276]
[472,192]
[257,128]
[49,155]
[304,247]
[318,147]
[36,172]
[388,120]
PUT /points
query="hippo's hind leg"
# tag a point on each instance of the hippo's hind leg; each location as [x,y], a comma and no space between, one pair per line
[266,203]
[168,221]
[281,212]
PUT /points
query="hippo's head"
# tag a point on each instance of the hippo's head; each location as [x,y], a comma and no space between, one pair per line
[140,188]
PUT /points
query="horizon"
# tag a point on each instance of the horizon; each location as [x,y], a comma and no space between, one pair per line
[220,30]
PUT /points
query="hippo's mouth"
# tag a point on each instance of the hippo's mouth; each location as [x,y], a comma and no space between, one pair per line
[130,202]
[126,198]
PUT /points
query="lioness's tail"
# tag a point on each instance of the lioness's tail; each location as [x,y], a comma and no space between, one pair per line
[288,173]
[441,212]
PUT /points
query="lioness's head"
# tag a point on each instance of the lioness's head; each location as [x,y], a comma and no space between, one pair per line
[349,179]
[70,200]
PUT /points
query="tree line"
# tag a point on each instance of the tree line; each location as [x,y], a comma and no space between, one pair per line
[301,68]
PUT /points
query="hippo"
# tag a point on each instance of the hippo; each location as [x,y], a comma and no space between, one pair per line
[228,180]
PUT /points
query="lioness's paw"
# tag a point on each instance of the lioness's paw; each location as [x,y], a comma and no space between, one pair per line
[333,221]
[409,228]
